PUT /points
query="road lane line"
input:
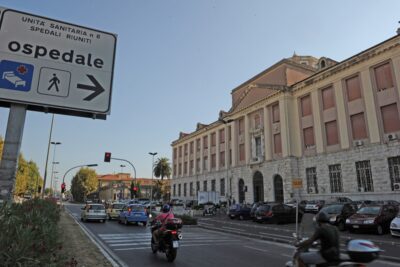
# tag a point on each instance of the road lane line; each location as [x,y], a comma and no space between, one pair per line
[184,245]
[286,255]
[281,236]
[258,249]
[230,228]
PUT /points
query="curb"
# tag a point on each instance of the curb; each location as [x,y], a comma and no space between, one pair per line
[279,240]
[108,254]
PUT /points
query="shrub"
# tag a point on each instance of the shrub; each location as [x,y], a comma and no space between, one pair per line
[29,234]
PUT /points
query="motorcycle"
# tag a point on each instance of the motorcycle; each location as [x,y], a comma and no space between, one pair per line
[169,237]
[358,251]
[209,210]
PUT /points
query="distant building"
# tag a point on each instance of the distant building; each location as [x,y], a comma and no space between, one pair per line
[333,125]
[114,187]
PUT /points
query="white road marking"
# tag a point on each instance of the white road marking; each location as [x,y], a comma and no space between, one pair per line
[183,245]
[235,229]
[269,234]
[258,249]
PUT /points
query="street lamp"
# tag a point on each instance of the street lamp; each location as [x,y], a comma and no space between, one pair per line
[152,175]
[85,165]
[47,156]
[54,156]
[228,179]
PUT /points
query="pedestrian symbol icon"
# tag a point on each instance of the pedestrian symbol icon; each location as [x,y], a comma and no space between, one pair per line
[16,75]
[54,82]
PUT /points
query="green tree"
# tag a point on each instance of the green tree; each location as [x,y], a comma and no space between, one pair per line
[27,178]
[158,189]
[162,168]
[83,183]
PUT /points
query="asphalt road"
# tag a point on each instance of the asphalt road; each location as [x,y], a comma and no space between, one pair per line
[130,246]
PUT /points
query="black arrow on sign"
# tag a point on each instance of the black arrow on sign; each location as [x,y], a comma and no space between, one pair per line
[96,88]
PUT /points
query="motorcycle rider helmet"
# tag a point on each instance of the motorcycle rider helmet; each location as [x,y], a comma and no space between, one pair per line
[322,217]
[166,208]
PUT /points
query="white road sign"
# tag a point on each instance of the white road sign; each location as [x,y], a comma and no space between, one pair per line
[52,64]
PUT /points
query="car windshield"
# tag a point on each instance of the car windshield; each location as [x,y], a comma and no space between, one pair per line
[96,207]
[333,209]
[314,202]
[369,210]
[137,208]
[118,206]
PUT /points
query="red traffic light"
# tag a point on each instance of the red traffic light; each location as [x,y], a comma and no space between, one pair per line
[63,186]
[107,157]
[135,188]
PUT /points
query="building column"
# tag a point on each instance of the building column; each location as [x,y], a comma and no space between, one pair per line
[209,152]
[247,143]
[201,154]
[342,116]
[217,159]
[267,134]
[234,145]
[318,123]
[284,122]
[370,107]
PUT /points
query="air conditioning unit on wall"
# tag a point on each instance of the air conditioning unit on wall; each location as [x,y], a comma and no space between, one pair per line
[391,137]
[396,186]
[311,190]
[358,143]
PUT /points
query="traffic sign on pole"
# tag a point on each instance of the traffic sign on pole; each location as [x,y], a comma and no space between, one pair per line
[54,66]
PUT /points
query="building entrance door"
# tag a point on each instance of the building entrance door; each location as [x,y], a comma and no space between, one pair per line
[241,191]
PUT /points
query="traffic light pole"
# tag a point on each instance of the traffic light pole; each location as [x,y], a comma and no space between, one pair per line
[133,167]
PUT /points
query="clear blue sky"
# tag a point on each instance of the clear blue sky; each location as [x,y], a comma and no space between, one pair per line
[177,62]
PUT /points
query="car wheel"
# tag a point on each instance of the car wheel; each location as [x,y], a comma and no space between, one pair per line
[341,226]
[109,217]
[241,217]
[101,221]
[104,221]
[81,219]
[379,230]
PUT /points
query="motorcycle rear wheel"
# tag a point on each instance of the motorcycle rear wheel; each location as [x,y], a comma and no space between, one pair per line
[171,254]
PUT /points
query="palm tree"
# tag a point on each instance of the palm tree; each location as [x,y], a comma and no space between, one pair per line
[162,168]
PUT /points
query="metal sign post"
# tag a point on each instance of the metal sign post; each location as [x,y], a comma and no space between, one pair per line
[12,146]
[297,184]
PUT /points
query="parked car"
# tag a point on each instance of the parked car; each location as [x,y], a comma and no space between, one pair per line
[114,209]
[254,208]
[339,212]
[302,204]
[277,213]
[240,211]
[395,226]
[372,217]
[134,213]
[362,203]
[93,212]
[314,206]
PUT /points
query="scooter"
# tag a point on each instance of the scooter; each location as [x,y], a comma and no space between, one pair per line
[358,251]
[168,240]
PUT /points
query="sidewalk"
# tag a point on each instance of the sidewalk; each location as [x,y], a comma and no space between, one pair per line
[80,249]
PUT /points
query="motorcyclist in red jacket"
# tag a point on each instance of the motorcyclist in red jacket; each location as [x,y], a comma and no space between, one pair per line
[162,218]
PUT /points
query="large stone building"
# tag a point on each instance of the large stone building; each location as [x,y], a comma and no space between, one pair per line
[334,125]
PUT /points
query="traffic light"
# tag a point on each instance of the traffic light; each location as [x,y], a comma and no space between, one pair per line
[107,157]
[62,187]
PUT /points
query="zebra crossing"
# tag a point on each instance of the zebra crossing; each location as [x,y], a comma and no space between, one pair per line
[141,241]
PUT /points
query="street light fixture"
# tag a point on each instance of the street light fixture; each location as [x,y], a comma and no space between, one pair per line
[152,175]
[54,155]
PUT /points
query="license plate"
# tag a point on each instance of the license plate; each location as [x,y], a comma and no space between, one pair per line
[356,226]
[137,215]
[175,244]
[258,218]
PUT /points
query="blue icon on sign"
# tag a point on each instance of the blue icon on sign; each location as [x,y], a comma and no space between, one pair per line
[15,75]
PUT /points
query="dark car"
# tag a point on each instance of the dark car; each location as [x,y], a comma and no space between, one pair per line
[372,217]
[339,212]
[276,213]
[302,204]
[240,211]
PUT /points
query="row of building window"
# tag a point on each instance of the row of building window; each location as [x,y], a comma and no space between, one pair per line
[192,191]
[364,176]
[363,170]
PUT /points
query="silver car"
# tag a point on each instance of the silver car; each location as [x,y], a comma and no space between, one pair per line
[94,212]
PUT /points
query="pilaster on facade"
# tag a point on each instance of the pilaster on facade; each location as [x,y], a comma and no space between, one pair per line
[285,128]
[227,146]
[201,155]
[293,126]
[247,146]
[341,110]
[234,145]
[319,138]
[370,110]
[267,134]
[217,150]
[208,167]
